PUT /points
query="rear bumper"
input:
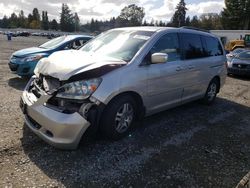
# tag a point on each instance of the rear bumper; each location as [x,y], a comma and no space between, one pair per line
[56,128]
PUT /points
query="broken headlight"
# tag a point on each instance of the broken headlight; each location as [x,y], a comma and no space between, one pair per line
[79,89]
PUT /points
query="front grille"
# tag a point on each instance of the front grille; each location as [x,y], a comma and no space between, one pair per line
[240,66]
[26,70]
[34,123]
[13,67]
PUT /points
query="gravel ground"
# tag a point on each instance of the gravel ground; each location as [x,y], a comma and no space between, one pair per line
[189,146]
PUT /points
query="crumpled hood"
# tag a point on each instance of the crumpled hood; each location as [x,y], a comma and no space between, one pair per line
[64,64]
[28,51]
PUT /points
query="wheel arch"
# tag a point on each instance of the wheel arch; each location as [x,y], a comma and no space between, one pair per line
[217,78]
[137,98]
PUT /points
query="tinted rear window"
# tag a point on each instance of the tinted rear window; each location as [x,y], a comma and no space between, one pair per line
[212,46]
[192,46]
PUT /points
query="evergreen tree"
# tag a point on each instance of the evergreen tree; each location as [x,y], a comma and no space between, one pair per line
[179,16]
[96,25]
[236,15]
[187,21]
[67,19]
[54,25]
[231,14]
[45,20]
[156,23]
[145,23]
[195,22]
[34,19]
[30,18]
[13,21]
[210,21]
[92,25]
[76,22]
[152,22]
[206,21]
[161,23]
[22,21]
[5,22]
[36,15]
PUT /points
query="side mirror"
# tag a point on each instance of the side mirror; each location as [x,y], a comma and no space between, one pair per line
[159,58]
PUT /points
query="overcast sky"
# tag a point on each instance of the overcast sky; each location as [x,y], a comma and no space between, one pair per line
[105,9]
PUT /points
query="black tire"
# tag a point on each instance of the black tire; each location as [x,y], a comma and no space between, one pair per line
[244,182]
[109,123]
[211,92]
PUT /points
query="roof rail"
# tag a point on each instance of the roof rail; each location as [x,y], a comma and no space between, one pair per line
[195,28]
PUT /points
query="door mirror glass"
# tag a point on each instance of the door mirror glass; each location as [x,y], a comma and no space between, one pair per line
[159,58]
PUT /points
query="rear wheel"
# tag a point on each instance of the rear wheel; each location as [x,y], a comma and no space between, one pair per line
[118,117]
[211,92]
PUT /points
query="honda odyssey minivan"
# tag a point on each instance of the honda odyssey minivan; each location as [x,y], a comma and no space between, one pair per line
[118,77]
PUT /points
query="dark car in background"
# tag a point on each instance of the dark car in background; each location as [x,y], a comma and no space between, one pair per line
[234,53]
[23,62]
[240,64]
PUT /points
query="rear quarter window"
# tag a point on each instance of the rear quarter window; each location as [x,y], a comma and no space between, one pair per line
[212,46]
[192,47]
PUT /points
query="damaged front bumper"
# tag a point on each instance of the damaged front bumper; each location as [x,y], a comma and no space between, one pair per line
[59,129]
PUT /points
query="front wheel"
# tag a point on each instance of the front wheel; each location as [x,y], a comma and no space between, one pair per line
[211,92]
[118,117]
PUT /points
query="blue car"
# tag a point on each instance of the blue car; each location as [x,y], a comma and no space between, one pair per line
[23,62]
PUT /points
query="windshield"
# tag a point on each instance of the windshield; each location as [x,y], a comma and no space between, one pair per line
[51,44]
[244,55]
[247,38]
[238,50]
[119,44]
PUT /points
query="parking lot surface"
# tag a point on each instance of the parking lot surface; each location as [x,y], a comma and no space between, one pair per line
[189,146]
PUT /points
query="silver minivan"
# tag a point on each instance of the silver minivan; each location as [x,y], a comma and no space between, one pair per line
[118,77]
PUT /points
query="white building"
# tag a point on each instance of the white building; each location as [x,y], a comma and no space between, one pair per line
[227,35]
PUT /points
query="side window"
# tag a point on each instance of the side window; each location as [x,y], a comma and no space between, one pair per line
[212,46]
[192,46]
[73,45]
[69,46]
[169,44]
[76,44]
[83,41]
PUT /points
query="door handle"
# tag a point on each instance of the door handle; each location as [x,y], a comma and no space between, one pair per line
[190,66]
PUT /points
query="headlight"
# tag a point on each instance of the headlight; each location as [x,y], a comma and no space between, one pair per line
[32,58]
[79,90]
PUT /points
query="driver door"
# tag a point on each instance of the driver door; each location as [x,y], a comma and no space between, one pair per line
[165,80]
